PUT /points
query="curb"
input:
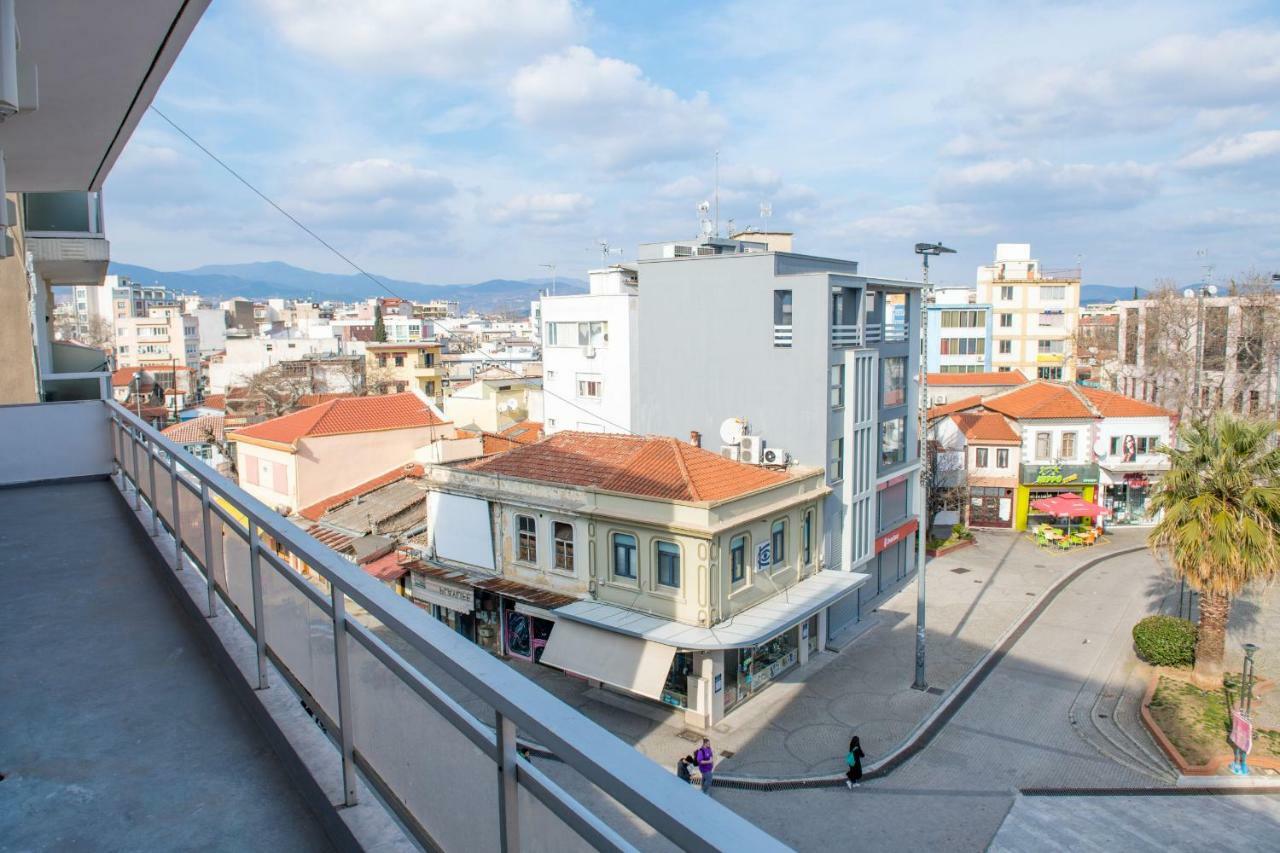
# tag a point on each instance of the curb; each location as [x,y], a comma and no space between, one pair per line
[923,733]
[1184,791]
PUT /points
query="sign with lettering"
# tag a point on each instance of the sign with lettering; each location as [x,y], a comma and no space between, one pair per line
[896,535]
[764,555]
[1059,475]
[1241,731]
[459,598]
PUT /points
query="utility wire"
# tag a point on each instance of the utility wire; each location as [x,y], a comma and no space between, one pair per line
[287,215]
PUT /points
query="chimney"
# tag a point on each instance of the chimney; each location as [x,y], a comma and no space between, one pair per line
[695,438]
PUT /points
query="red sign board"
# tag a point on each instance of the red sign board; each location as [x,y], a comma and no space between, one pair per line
[896,535]
[901,478]
[1241,731]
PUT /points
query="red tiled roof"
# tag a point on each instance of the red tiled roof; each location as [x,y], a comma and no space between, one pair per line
[1041,400]
[646,466]
[316,399]
[1113,405]
[346,415]
[214,401]
[525,432]
[492,444]
[329,537]
[987,427]
[1008,377]
[386,568]
[319,508]
[954,406]
[196,430]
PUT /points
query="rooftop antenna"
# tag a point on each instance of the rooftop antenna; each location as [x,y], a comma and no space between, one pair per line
[551,267]
[605,251]
[1205,264]
[717,192]
[766,210]
[704,223]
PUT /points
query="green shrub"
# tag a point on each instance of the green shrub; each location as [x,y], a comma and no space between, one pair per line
[960,531]
[1165,641]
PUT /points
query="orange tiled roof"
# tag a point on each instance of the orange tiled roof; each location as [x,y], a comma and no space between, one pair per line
[954,406]
[1041,400]
[646,466]
[196,430]
[1113,405]
[214,401]
[1008,377]
[346,415]
[525,432]
[988,427]
[319,508]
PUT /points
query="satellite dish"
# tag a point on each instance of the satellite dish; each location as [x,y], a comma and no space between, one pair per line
[732,430]
[704,208]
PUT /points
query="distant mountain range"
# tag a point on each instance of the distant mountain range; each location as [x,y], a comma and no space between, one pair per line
[268,279]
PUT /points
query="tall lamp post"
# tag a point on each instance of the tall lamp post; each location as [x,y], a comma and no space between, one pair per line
[925,251]
[1247,679]
[1200,293]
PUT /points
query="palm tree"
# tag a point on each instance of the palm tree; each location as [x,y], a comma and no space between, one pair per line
[1220,527]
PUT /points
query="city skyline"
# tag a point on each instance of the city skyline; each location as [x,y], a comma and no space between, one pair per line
[489,144]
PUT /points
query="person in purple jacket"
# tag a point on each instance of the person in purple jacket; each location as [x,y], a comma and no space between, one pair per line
[706,759]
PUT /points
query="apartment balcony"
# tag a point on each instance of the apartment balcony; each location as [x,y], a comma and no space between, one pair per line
[170,681]
[886,333]
[846,336]
[65,237]
[782,334]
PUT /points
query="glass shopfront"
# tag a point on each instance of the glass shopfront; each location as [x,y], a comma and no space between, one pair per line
[1128,500]
[526,635]
[748,671]
[488,621]
[676,690]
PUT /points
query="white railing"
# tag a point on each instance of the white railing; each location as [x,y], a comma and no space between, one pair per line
[452,779]
[873,333]
[781,335]
[846,336]
[894,332]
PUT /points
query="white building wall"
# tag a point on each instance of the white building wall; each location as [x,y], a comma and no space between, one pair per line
[613,365]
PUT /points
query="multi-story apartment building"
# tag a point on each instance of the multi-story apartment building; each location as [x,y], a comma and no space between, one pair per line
[1097,345]
[398,367]
[959,332]
[1036,312]
[164,335]
[589,356]
[646,564]
[1155,354]
[819,361]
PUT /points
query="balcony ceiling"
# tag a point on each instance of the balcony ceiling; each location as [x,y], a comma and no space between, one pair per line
[99,66]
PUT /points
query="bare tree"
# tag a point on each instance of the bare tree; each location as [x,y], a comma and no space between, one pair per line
[947,484]
[96,333]
[274,392]
[354,374]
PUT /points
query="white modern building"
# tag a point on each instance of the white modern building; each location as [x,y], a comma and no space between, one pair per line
[589,354]
[1035,310]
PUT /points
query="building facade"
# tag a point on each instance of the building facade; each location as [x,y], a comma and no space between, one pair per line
[959,333]
[397,367]
[164,335]
[818,361]
[1035,313]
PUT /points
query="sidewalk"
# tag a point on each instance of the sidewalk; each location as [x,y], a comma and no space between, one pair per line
[801,725]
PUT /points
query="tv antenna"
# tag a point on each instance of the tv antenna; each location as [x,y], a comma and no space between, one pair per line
[1205,264]
[551,267]
[766,210]
[717,192]
[605,251]
[704,222]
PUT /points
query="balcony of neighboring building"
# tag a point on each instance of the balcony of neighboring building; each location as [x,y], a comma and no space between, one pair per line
[172,681]
[65,237]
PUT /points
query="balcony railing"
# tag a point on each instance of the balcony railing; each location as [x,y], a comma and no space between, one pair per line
[452,779]
[62,214]
[781,335]
[846,336]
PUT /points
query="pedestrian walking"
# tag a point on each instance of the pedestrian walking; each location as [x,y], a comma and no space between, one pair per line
[706,759]
[854,760]
[682,769]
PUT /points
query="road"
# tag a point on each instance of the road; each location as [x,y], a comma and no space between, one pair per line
[1014,732]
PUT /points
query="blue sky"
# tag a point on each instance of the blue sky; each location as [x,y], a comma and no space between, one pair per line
[446,141]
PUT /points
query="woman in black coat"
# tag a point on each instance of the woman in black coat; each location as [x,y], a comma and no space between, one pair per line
[854,760]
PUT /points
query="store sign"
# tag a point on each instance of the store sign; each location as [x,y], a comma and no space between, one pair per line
[901,478]
[459,598]
[1241,731]
[896,535]
[764,554]
[1059,475]
[1136,481]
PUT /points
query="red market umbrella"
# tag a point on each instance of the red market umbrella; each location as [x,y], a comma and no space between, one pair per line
[1069,505]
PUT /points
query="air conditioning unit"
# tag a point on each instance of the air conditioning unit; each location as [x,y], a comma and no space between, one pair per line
[750,449]
[588,351]
[774,456]
[729,451]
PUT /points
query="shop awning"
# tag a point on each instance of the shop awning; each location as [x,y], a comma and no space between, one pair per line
[632,664]
[748,628]
[1068,505]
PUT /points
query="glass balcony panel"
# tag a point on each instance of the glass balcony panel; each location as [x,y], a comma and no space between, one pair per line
[192,524]
[62,213]
[145,461]
[435,770]
[538,821]
[300,635]
[164,493]
[235,581]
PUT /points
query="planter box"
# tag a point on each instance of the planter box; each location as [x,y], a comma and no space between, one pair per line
[1218,763]
[947,549]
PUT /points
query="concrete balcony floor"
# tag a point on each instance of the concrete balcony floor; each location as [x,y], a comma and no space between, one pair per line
[119,731]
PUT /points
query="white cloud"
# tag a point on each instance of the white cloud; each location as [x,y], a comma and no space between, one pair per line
[1031,187]
[374,179]
[609,108]
[1234,152]
[544,208]
[434,38]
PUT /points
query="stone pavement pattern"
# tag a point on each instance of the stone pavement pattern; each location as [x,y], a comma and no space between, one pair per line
[1140,823]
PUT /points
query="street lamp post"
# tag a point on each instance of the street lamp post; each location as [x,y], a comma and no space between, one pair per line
[925,251]
[1247,678]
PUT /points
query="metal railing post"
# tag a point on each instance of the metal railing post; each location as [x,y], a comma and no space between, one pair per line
[259,625]
[137,493]
[508,793]
[151,496]
[177,513]
[346,721]
[205,514]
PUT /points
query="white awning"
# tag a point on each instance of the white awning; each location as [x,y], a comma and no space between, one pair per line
[632,664]
[748,628]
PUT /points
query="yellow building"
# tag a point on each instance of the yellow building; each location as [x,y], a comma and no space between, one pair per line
[1035,313]
[393,368]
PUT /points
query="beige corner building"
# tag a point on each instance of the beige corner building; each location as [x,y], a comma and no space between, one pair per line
[1035,312]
